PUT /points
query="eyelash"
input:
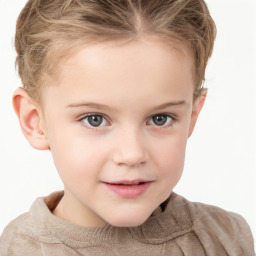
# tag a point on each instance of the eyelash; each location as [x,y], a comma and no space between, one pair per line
[93,115]
[171,122]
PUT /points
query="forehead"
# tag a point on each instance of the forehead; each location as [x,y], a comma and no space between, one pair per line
[140,67]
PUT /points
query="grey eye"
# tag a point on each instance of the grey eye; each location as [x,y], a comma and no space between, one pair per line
[160,120]
[94,120]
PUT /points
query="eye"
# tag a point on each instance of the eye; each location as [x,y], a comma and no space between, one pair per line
[94,120]
[160,120]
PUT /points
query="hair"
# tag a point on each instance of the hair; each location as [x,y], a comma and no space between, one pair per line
[47,30]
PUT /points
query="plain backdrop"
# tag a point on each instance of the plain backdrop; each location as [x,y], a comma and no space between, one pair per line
[220,162]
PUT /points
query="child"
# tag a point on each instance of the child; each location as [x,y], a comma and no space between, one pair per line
[113,90]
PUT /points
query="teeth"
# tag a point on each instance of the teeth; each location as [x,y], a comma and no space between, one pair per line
[134,184]
[138,183]
[129,184]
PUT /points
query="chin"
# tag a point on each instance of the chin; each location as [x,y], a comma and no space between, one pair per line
[128,220]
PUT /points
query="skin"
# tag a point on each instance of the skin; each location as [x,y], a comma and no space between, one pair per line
[128,85]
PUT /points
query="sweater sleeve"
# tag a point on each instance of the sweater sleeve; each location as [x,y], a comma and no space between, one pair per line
[18,239]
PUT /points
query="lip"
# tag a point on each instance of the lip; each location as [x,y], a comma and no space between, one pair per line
[128,188]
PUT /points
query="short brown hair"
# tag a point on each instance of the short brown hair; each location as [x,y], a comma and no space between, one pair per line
[46,30]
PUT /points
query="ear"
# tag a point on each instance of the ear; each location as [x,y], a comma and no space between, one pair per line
[30,118]
[197,106]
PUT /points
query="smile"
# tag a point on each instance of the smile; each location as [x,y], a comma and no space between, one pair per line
[128,189]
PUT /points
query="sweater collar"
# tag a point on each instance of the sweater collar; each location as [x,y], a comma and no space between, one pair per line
[173,221]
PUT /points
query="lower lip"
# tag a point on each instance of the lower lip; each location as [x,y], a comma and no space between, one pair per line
[128,191]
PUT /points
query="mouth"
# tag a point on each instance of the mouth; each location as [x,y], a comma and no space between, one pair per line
[128,188]
[128,182]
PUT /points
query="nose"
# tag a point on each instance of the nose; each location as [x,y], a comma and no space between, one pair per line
[130,149]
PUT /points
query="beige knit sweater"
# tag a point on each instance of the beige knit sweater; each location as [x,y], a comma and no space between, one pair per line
[183,228]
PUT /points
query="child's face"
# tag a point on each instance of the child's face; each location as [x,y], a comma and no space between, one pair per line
[117,124]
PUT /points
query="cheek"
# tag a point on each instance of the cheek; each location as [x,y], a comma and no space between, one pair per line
[171,157]
[76,158]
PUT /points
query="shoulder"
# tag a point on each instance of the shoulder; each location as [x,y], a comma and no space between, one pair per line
[19,237]
[29,233]
[224,220]
[230,229]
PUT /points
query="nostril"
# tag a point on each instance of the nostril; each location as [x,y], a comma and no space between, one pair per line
[131,159]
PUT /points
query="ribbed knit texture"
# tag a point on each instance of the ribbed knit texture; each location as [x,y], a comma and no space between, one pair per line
[183,228]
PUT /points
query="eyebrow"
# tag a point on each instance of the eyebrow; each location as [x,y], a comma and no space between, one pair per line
[170,104]
[102,106]
[91,105]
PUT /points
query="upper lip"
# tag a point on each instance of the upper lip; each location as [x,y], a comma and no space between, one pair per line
[128,182]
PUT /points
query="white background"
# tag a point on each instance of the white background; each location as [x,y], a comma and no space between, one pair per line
[220,165]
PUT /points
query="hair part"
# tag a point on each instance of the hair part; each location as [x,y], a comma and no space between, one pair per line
[47,31]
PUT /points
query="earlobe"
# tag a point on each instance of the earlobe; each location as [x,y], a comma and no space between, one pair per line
[30,119]
[197,107]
